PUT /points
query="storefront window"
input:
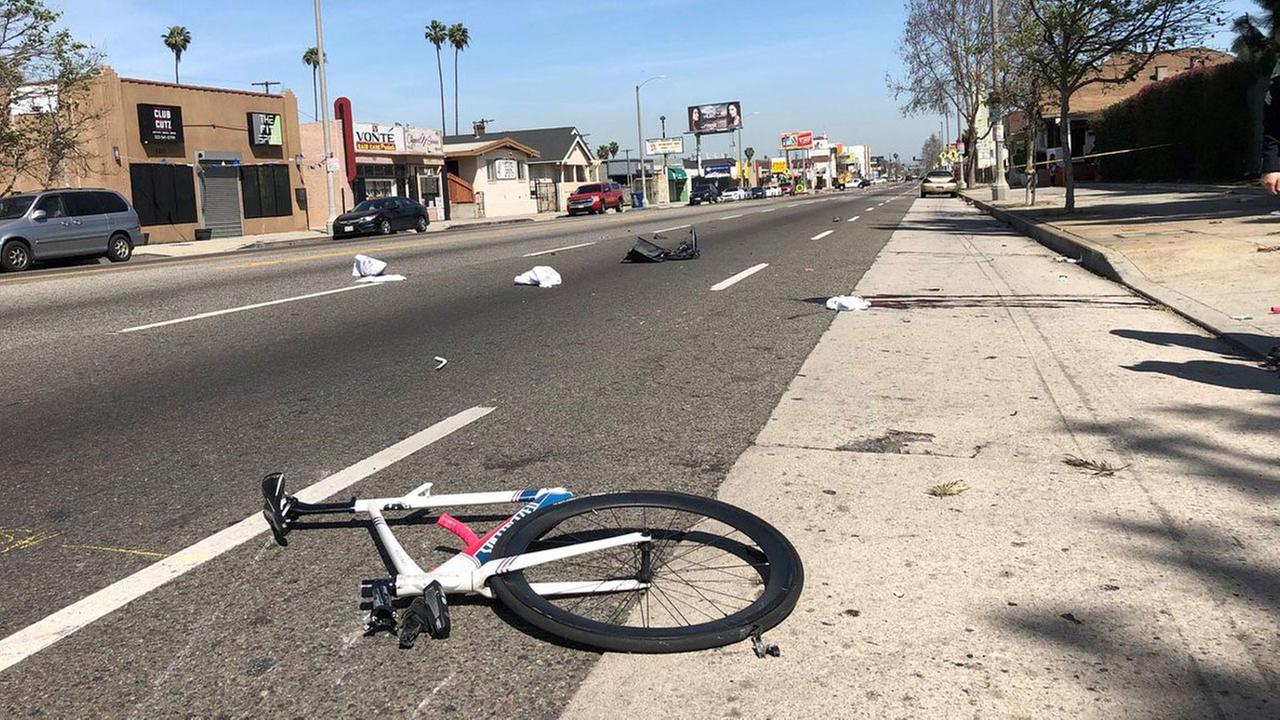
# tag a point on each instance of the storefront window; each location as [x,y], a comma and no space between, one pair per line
[163,194]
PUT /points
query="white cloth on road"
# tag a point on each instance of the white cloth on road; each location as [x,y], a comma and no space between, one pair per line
[366,266]
[847,302]
[541,275]
[380,279]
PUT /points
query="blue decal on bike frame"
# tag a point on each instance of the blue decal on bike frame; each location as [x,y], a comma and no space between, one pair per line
[552,498]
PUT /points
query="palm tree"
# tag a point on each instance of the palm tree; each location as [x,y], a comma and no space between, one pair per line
[613,148]
[178,39]
[749,153]
[602,152]
[459,38]
[1258,41]
[437,34]
[311,58]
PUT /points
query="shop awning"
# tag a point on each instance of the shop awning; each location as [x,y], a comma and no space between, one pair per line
[675,173]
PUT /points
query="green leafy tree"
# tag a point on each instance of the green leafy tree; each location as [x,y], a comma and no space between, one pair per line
[1074,38]
[45,77]
[459,38]
[311,58]
[438,34]
[177,39]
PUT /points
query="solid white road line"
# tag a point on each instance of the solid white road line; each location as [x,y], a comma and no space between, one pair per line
[730,217]
[727,282]
[242,308]
[567,247]
[822,234]
[43,633]
[853,219]
[677,227]
[768,210]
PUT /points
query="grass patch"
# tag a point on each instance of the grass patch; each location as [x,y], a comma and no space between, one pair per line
[1096,467]
[947,489]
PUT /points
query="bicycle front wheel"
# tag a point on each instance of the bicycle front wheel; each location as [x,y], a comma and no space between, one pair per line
[710,574]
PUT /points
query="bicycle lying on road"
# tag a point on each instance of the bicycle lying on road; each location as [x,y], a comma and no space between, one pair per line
[641,572]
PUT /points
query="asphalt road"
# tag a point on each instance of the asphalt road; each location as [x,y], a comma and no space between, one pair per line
[124,448]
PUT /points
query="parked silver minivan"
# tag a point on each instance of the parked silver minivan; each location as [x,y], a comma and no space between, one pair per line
[66,223]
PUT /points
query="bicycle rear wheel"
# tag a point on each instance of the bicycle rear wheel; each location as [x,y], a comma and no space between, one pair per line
[711,574]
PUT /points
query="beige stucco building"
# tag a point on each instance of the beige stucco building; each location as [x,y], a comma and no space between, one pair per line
[489,177]
[220,161]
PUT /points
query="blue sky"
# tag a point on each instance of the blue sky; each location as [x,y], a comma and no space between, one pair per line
[818,66]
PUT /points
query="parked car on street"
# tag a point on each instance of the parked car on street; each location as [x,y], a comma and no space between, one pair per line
[704,194]
[757,192]
[939,182]
[773,191]
[596,198]
[66,223]
[382,216]
[735,193]
[787,188]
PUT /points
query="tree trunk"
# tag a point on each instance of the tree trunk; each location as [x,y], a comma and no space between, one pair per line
[455,91]
[1031,166]
[175,69]
[315,92]
[1068,166]
[444,127]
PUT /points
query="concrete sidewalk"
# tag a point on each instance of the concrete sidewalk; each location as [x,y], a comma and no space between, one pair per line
[1209,253]
[1043,591]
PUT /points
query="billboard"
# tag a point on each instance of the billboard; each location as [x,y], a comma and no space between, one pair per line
[797,140]
[718,169]
[715,118]
[265,129]
[664,146]
[777,166]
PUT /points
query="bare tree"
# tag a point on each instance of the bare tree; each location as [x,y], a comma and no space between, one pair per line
[1072,39]
[944,51]
[45,76]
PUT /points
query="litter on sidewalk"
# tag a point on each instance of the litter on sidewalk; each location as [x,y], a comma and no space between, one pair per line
[540,276]
[646,251]
[842,303]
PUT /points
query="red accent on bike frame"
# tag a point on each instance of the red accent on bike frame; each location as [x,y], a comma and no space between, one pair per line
[459,528]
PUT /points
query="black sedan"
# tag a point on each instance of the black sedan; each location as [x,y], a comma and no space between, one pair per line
[383,216]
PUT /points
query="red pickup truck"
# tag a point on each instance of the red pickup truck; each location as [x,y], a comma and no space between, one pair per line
[596,198]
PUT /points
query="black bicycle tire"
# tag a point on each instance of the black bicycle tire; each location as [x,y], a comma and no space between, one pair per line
[786,579]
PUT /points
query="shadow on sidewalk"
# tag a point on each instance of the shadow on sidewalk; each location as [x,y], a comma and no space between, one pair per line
[1109,632]
[1231,370]
[1158,209]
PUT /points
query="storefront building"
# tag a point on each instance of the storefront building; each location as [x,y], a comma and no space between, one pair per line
[384,160]
[194,161]
[490,178]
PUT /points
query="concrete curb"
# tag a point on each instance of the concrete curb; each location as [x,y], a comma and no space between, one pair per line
[1113,265]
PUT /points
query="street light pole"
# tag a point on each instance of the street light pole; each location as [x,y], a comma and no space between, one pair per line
[644,179]
[324,125]
[999,186]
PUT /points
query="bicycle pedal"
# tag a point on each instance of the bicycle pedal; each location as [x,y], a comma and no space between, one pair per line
[762,648]
[429,612]
[382,615]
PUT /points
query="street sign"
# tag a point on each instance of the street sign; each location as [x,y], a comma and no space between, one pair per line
[664,146]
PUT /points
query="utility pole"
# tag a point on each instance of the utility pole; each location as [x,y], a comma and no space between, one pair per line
[324,124]
[266,85]
[627,153]
[663,119]
[999,186]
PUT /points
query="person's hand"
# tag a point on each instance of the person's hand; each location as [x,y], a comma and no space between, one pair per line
[1271,181]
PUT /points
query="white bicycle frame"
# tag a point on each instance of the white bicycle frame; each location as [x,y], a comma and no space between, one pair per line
[469,571]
